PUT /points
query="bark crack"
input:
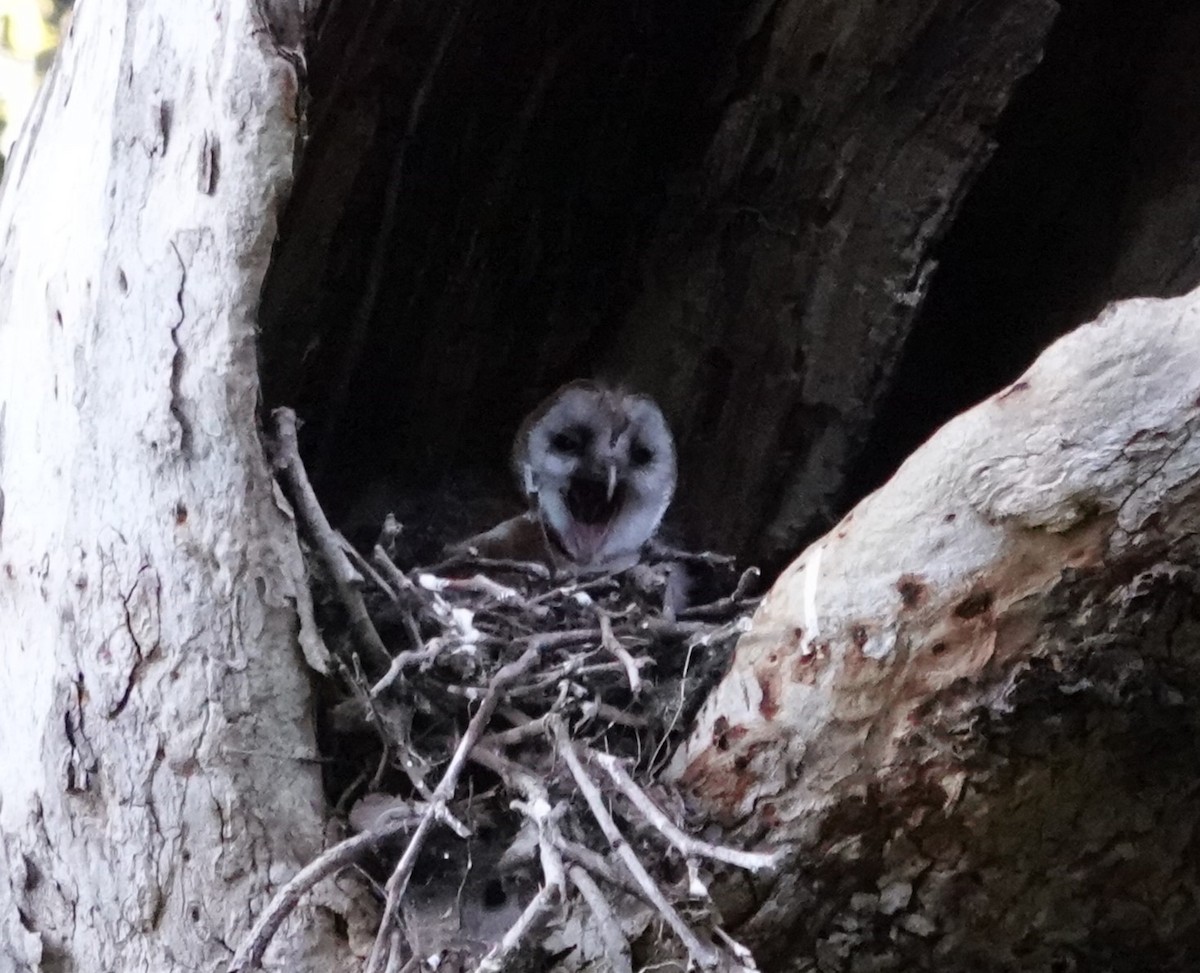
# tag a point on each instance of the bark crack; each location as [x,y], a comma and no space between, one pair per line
[178,361]
[140,655]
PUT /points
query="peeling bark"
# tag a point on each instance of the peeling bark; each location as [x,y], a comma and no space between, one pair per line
[970,708]
[158,774]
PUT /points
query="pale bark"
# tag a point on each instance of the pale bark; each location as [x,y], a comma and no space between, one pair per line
[967,709]
[158,774]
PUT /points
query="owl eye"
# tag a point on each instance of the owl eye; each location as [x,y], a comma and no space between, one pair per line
[640,454]
[571,441]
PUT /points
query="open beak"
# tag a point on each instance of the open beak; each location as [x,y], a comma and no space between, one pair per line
[612,481]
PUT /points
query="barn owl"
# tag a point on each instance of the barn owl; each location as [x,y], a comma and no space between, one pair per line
[597,468]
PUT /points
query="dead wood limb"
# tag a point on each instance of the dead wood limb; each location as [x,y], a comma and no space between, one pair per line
[518,734]
[538,809]
[326,540]
[517,778]
[595,709]
[366,569]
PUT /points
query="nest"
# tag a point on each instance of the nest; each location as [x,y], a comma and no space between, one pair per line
[497,734]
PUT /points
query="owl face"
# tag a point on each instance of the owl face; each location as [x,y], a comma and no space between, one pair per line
[598,468]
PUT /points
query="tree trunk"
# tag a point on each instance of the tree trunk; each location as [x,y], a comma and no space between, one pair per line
[970,709]
[158,771]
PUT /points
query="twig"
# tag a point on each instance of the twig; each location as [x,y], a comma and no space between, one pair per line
[658,551]
[534,916]
[571,668]
[597,709]
[616,946]
[406,660]
[538,809]
[250,953]
[398,882]
[687,846]
[740,952]
[704,954]
[312,518]
[661,751]
[357,685]
[722,607]
[395,954]
[598,866]
[614,646]
[364,567]
[532,569]
[477,584]
[518,734]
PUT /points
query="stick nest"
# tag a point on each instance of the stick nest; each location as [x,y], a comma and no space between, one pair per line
[496,737]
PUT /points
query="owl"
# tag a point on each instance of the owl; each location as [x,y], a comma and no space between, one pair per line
[597,468]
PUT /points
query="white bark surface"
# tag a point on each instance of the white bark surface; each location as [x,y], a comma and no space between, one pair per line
[157,758]
[968,711]
[946,572]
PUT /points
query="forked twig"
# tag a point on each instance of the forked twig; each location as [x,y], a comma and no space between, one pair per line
[613,645]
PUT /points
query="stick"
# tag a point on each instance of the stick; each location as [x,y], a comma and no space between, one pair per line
[597,709]
[737,601]
[476,584]
[518,734]
[687,846]
[326,540]
[705,955]
[398,882]
[250,953]
[614,646]
[406,660]
[532,569]
[616,946]
[538,809]
[596,865]
[534,916]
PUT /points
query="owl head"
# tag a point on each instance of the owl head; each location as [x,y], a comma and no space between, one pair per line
[597,466]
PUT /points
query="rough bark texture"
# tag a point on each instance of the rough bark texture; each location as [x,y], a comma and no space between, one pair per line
[157,759]
[971,707]
[732,206]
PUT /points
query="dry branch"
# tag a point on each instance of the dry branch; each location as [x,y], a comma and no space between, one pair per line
[320,533]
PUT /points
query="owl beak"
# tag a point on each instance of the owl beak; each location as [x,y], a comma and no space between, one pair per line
[612,481]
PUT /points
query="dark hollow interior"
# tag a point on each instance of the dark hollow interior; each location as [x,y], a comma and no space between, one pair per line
[488,193]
